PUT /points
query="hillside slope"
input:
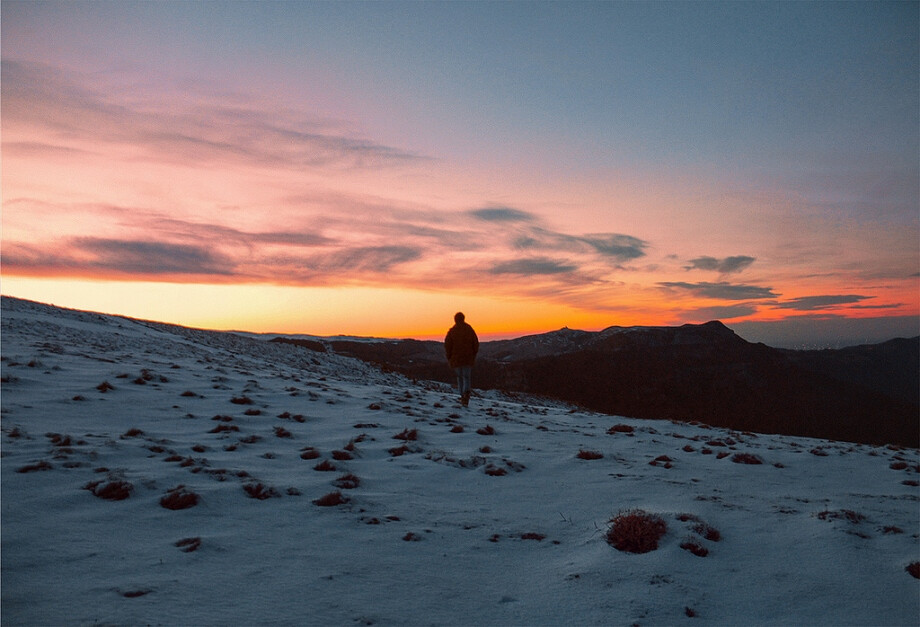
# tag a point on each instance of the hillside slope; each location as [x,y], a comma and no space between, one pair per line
[703,372]
[495,515]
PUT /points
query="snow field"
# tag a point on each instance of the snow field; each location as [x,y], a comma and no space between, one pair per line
[461,528]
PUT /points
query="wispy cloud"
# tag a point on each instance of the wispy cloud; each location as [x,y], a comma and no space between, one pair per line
[502,214]
[99,256]
[727,312]
[722,291]
[535,266]
[818,303]
[728,265]
[205,132]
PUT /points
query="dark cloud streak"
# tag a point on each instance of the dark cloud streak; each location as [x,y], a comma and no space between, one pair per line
[727,265]
[722,291]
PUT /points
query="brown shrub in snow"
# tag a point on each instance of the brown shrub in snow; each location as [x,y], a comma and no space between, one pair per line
[331,499]
[456,429]
[710,533]
[189,544]
[583,454]
[407,435]
[224,428]
[843,514]
[347,482]
[325,466]
[252,412]
[241,400]
[636,531]
[188,393]
[260,491]
[495,471]
[309,453]
[133,594]
[620,429]
[251,439]
[105,386]
[662,460]
[486,430]
[398,450]
[281,432]
[342,456]
[42,465]
[132,433]
[531,535]
[746,458]
[898,465]
[115,490]
[694,547]
[179,498]
[914,569]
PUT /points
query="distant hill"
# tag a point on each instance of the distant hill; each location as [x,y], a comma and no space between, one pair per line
[702,373]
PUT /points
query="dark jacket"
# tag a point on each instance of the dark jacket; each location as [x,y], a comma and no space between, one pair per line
[461,345]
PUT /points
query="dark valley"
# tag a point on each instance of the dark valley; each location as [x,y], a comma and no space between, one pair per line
[704,373]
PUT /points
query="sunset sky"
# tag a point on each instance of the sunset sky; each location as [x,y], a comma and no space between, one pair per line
[371,168]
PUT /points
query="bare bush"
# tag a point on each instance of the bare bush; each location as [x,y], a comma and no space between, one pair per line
[330,500]
[179,498]
[636,531]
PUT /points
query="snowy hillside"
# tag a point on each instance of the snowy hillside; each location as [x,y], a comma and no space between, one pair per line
[153,474]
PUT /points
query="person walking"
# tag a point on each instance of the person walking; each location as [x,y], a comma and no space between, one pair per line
[461,346]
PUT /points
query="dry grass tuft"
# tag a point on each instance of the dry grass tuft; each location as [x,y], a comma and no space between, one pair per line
[407,435]
[260,491]
[330,500]
[179,498]
[308,452]
[583,454]
[398,450]
[636,531]
[42,465]
[694,547]
[189,544]
[115,490]
[347,482]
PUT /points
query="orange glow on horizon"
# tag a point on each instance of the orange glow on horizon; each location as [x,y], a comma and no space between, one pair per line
[355,311]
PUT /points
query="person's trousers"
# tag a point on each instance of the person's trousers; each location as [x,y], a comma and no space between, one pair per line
[464,377]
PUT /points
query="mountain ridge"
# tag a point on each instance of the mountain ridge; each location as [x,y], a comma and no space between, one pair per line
[694,372]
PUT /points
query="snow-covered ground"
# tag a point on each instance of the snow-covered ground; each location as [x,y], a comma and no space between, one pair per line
[487,517]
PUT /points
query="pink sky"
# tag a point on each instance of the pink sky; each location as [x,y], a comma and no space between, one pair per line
[302,168]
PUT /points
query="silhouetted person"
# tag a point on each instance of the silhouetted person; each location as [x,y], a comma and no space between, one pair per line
[461,346]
